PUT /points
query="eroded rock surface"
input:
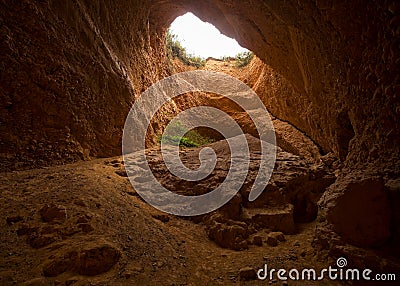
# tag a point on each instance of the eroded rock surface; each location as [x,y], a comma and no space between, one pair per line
[90,262]
[360,212]
[357,216]
[71,72]
[291,195]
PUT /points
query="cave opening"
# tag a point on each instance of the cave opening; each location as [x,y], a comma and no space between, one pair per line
[203,39]
[300,184]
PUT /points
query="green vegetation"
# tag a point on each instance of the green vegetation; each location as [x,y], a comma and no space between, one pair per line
[175,50]
[227,58]
[243,59]
[191,138]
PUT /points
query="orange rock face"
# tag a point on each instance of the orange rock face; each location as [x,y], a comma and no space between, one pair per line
[71,71]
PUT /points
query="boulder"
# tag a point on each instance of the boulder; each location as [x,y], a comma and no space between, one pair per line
[272,241]
[53,214]
[247,273]
[278,235]
[274,218]
[89,261]
[257,240]
[229,236]
[359,211]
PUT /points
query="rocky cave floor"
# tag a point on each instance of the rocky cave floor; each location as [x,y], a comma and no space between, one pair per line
[84,224]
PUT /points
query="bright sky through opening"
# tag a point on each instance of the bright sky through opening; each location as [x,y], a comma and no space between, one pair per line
[203,39]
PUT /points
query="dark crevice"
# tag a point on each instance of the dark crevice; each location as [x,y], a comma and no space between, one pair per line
[344,134]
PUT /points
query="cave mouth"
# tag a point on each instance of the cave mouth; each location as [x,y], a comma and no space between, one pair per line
[203,39]
[291,198]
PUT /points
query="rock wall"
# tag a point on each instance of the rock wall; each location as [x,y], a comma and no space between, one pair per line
[338,61]
[71,70]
